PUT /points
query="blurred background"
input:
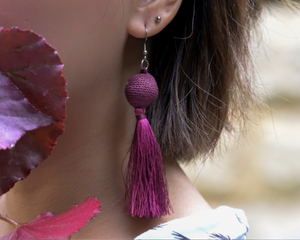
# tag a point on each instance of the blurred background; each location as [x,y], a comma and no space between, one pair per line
[261,173]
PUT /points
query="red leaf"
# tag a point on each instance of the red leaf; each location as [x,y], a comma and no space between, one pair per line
[33,103]
[48,226]
[17,115]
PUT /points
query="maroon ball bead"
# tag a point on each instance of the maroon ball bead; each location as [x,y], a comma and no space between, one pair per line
[141,90]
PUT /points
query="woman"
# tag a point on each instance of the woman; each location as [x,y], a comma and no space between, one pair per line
[198,53]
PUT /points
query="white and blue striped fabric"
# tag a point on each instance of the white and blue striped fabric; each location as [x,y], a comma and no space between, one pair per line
[221,223]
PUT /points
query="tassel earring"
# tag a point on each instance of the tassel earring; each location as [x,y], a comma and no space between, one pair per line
[146,185]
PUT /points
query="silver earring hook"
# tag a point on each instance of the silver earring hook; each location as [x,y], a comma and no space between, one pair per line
[145,63]
[146,30]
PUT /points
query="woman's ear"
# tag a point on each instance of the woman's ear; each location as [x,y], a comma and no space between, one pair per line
[146,13]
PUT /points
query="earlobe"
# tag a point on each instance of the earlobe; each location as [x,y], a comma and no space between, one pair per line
[153,14]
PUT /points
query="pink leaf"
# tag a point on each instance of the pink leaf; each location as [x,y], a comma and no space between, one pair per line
[48,226]
[32,103]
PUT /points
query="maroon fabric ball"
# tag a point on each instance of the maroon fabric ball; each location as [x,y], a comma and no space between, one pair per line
[141,90]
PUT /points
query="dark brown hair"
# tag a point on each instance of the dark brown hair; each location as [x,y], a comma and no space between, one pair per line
[202,65]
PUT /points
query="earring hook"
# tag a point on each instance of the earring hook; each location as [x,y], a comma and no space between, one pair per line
[145,63]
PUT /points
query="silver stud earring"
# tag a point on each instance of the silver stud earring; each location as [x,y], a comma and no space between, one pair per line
[158,19]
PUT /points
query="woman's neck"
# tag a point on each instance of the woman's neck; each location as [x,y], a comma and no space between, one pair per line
[56,186]
[89,160]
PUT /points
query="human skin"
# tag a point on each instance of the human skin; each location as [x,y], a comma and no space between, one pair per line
[97,41]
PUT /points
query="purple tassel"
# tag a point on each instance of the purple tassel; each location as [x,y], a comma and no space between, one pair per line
[146,186]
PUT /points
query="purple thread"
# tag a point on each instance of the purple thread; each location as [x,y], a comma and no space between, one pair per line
[141,117]
[140,114]
[146,185]
[141,90]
